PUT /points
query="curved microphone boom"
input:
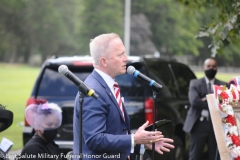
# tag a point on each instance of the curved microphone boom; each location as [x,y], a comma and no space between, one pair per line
[63,69]
[132,71]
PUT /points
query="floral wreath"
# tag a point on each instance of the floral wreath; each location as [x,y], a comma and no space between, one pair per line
[227,99]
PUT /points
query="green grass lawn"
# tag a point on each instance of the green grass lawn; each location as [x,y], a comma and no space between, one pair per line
[226,77]
[16,83]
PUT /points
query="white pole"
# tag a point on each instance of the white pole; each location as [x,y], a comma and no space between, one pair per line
[127,26]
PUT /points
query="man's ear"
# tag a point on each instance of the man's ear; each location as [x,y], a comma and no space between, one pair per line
[103,62]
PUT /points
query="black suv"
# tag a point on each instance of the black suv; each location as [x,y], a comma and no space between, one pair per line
[171,103]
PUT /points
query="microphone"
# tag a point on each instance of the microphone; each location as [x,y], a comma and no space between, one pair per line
[156,87]
[63,69]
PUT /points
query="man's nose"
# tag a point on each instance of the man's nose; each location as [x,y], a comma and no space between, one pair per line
[125,57]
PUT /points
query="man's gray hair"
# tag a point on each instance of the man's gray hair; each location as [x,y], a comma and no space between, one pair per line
[99,46]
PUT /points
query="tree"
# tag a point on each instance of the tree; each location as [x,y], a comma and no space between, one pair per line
[99,17]
[37,27]
[9,29]
[225,25]
[172,29]
[50,27]
[141,34]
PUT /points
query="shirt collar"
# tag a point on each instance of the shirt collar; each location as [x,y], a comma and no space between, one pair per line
[108,79]
[207,80]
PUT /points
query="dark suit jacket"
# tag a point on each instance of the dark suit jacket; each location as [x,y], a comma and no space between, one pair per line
[104,128]
[197,91]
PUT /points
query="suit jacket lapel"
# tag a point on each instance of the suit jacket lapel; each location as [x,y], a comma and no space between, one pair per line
[203,81]
[108,91]
[217,82]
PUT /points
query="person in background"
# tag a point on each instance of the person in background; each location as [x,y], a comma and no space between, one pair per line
[234,81]
[198,121]
[45,118]
[106,124]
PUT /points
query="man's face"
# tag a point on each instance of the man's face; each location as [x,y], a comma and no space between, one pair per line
[210,64]
[117,58]
[210,68]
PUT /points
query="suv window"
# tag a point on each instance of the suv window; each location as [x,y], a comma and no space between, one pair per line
[128,81]
[55,84]
[183,76]
[163,75]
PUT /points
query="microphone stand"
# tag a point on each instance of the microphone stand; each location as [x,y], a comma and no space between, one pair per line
[83,91]
[81,100]
[154,120]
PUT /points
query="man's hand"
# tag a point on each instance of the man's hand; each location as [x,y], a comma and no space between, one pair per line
[162,145]
[145,137]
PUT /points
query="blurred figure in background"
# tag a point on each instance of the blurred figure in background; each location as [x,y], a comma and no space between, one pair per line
[198,122]
[6,119]
[45,118]
[235,81]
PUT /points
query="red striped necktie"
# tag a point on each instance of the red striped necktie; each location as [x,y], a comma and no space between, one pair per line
[118,97]
[119,101]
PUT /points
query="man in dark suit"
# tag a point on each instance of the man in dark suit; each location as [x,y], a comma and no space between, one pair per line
[198,122]
[106,124]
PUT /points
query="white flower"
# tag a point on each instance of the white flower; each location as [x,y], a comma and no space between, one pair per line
[230,95]
[232,149]
[238,150]
[227,109]
[234,152]
[229,130]
[233,130]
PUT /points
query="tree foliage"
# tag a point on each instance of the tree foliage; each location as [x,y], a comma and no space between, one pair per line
[225,25]
[98,18]
[60,27]
[37,27]
[173,30]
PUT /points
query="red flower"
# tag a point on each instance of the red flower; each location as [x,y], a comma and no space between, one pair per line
[224,95]
[235,140]
[238,158]
[229,119]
